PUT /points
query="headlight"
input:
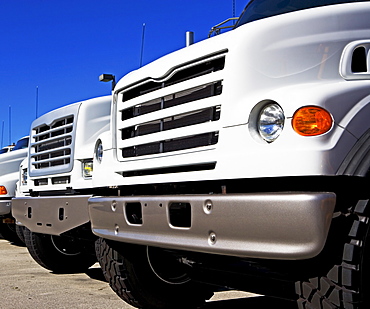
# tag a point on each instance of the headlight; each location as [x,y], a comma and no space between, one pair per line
[99,151]
[87,169]
[270,122]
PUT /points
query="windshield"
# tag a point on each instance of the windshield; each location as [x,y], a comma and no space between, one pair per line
[5,150]
[21,144]
[258,9]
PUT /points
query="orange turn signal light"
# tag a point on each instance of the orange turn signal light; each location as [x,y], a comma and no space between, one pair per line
[3,190]
[312,121]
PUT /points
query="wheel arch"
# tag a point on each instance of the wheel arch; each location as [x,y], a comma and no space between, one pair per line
[357,161]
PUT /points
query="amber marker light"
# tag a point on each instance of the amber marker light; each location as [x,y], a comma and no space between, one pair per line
[312,121]
[3,190]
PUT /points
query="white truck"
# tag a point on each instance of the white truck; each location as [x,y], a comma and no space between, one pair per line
[242,161]
[10,159]
[55,184]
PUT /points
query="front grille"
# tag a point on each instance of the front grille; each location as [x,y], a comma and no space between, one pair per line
[52,144]
[158,123]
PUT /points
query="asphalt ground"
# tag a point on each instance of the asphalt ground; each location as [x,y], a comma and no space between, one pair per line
[26,285]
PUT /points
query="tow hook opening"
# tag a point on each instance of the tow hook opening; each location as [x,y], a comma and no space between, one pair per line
[134,213]
[29,212]
[180,214]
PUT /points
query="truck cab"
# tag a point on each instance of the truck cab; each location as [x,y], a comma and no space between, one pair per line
[229,164]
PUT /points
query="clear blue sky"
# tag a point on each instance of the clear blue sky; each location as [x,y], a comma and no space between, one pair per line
[58,48]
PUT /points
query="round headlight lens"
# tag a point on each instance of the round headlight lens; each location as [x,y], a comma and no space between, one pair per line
[271,122]
[99,152]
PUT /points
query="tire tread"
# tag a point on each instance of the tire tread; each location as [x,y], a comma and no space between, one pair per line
[339,288]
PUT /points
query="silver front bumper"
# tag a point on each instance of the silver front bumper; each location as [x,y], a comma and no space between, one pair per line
[268,225]
[51,214]
[5,207]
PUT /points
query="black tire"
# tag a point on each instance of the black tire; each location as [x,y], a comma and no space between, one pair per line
[8,231]
[347,284]
[20,233]
[58,254]
[130,273]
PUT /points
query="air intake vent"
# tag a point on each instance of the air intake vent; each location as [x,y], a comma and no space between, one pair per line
[171,170]
[359,61]
[354,61]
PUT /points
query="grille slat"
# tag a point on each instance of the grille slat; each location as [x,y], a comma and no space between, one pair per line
[203,68]
[51,132]
[189,142]
[51,159]
[174,122]
[189,95]
[53,143]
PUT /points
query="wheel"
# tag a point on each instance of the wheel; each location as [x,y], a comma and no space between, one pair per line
[8,231]
[20,233]
[148,278]
[347,284]
[58,254]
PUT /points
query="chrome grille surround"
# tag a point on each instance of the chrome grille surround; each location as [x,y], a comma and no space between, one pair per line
[154,116]
[51,148]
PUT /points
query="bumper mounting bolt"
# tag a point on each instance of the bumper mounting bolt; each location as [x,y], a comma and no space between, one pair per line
[212,238]
[208,206]
[114,205]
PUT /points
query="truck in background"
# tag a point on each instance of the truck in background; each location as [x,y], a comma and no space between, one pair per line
[55,184]
[10,159]
[242,161]
[6,149]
